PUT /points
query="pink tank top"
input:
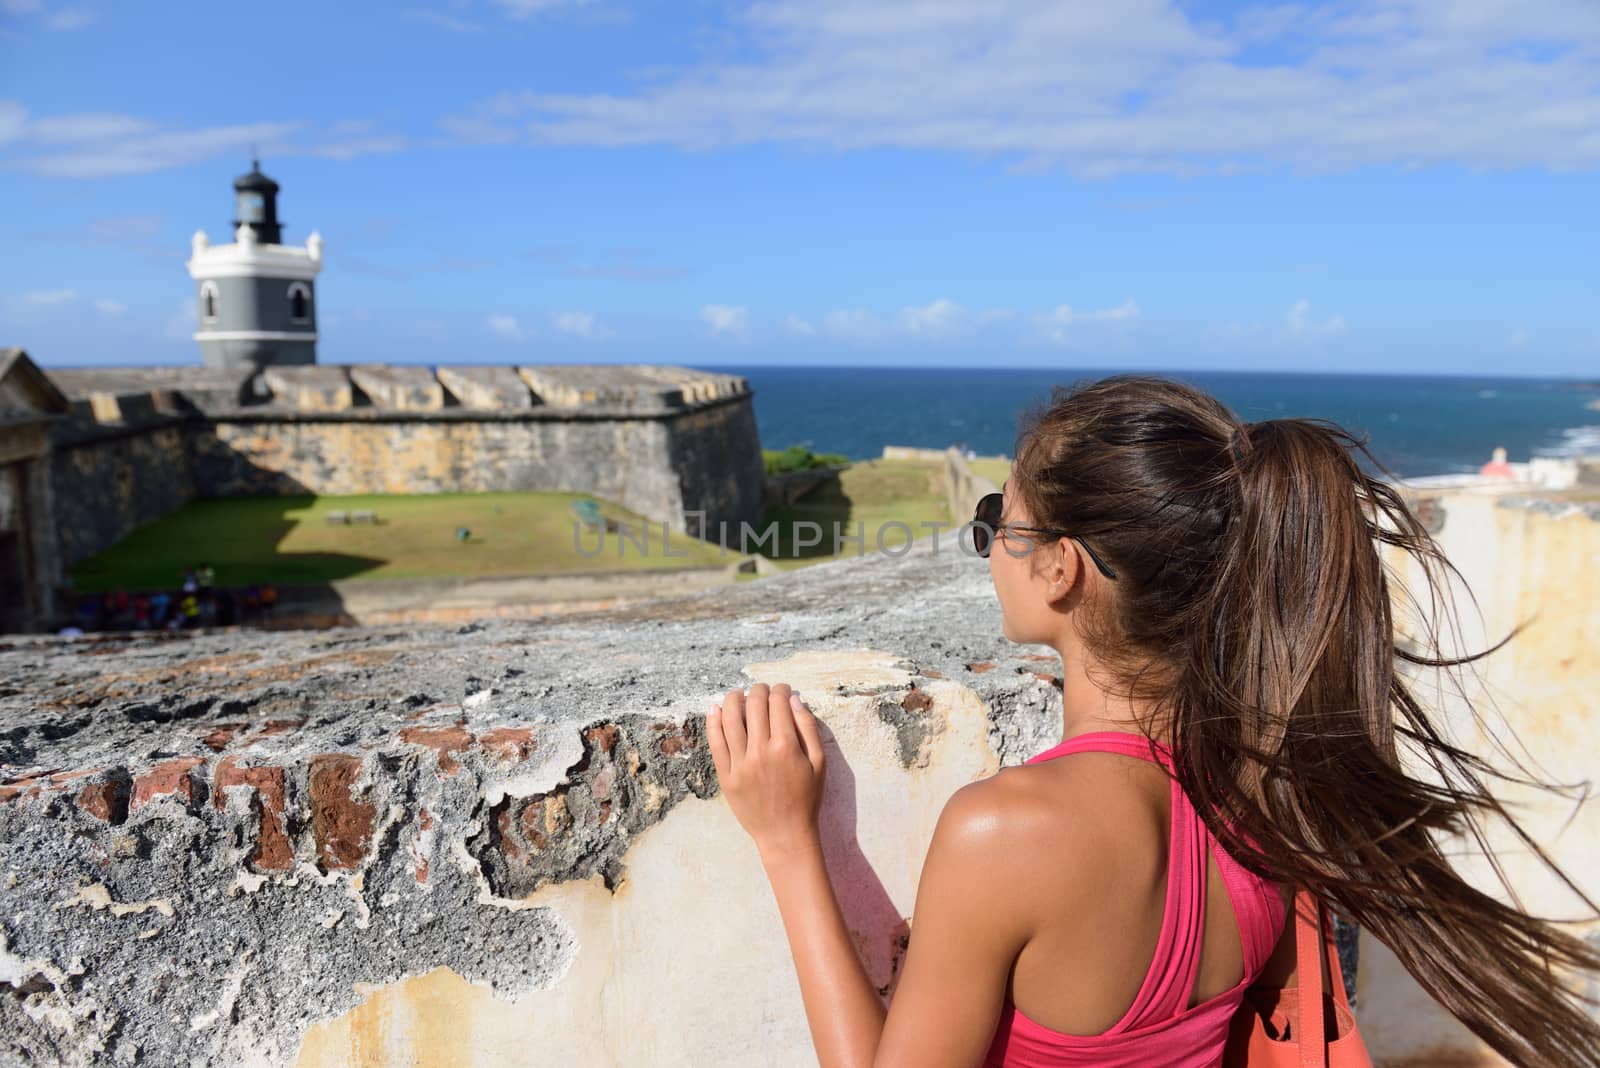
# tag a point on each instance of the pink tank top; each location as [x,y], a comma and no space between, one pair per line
[1158,1028]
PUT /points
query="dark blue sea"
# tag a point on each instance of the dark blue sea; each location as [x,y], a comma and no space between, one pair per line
[1415,425]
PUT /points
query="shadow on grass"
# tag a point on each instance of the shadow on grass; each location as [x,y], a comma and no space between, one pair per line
[240,538]
[828,506]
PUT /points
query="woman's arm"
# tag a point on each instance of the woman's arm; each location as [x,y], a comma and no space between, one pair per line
[844,1011]
[968,926]
[952,986]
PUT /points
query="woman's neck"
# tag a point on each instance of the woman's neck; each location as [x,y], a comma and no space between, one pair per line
[1086,706]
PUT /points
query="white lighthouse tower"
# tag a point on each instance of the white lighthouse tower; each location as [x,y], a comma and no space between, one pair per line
[256,297]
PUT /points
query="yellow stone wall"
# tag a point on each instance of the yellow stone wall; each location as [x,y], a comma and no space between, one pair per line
[1541,692]
[694,921]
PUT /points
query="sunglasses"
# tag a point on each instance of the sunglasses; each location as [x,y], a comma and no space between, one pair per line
[986,529]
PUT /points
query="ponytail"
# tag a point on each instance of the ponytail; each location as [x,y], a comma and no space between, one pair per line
[1256,619]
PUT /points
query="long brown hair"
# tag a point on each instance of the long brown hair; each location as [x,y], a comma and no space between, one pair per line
[1252,609]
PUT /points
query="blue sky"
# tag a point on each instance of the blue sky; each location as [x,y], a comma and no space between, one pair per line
[1384,185]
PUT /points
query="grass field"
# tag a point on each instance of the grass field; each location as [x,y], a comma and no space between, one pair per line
[994,468]
[287,541]
[871,492]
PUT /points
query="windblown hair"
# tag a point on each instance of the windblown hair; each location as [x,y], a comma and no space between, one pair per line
[1252,612]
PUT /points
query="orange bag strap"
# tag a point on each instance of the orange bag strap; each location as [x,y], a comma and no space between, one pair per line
[1310,942]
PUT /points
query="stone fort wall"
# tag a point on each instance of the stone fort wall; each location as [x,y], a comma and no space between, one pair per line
[665,442]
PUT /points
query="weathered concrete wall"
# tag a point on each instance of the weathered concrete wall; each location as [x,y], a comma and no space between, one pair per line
[264,848]
[1530,561]
[501,844]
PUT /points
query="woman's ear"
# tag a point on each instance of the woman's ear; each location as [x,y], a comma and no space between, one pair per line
[1063,567]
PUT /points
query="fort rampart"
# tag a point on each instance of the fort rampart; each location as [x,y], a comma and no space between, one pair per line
[502,843]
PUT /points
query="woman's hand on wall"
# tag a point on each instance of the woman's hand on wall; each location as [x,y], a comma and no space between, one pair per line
[769,760]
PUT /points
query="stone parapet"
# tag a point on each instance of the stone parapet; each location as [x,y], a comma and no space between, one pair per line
[628,386]
[399,388]
[264,825]
[390,846]
[310,387]
[489,388]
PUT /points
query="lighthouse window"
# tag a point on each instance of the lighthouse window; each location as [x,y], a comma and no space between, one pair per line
[252,207]
[208,301]
[300,302]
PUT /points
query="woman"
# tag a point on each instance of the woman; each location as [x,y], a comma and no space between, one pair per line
[1217,597]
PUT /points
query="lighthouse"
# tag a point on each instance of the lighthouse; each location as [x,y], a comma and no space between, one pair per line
[256,298]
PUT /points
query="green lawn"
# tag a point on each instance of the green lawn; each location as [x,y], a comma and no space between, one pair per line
[286,540]
[871,492]
[994,468]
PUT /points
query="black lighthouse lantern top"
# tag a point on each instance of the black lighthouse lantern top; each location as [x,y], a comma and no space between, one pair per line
[255,198]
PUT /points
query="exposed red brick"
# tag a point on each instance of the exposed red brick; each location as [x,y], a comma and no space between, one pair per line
[1054,680]
[605,811]
[442,740]
[280,726]
[29,786]
[102,801]
[603,735]
[544,819]
[170,778]
[980,666]
[341,825]
[929,673]
[508,743]
[916,701]
[219,736]
[1041,656]
[508,837]
[674,740]
[273,851]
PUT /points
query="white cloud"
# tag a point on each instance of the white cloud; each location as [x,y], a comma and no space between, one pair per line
[521,9]
[49,297]
[13,120]
[725,319]
[852,324]
[442,20]
[90,126]
[793,324]
[937,320]
[1302,325]
[1136,86]
[505,326]
[106,144]
[580,324]
[108,307]
[72,18]
[1057,323]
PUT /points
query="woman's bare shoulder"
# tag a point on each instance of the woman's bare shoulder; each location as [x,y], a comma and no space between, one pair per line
[1047,819]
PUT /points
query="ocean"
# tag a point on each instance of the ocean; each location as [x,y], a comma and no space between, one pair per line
[1416,425]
